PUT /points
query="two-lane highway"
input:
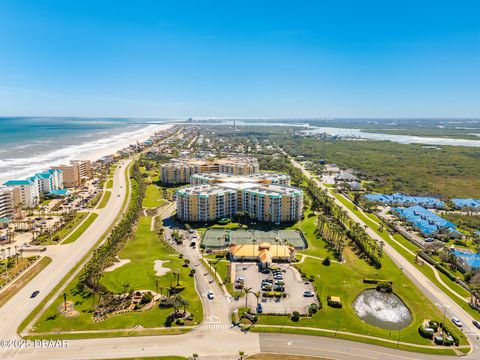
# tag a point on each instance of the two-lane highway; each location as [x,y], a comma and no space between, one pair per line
[432,291]
[67,256]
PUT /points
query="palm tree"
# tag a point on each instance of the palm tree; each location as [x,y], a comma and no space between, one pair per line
[241,354]
[247,291]
[253,247]
[257,295]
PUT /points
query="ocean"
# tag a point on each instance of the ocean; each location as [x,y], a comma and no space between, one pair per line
[31,144]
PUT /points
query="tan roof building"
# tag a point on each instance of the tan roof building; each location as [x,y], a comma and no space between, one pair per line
[264,253]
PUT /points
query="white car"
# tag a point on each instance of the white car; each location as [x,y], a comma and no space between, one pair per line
[457,322]
[210,294]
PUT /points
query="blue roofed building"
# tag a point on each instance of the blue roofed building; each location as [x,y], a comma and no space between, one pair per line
[469,262]
[399,199]
[428,223]
[28,192]
[467,203]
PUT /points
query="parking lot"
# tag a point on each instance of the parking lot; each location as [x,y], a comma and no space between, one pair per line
[293,285]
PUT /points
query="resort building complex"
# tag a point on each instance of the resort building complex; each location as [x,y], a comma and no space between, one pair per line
[7,205]
[76,173]
[257,196]
[180,171]
[27,192]
[260,178]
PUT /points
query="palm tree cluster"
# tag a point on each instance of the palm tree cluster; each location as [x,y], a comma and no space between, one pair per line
[336,226]
[104,255]
[333,233]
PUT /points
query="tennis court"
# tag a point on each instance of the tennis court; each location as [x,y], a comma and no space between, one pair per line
[219,238]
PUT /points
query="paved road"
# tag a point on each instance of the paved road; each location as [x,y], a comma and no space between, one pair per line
[216,311]
[211,340]
[332,348]
[63,259]
[437,296]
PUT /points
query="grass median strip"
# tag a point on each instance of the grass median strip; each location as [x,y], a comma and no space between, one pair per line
[81,263]
[81,229]
[105,198]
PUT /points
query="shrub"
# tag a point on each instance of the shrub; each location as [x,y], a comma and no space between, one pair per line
[180,322]
[433,325]
[146,298]
[312,309]
[326,261]
[424,333]
[384,286]
[295,316]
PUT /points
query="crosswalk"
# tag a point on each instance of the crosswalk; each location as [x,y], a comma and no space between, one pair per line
[211,327]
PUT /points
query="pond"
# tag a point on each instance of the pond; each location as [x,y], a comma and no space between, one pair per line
[384,310]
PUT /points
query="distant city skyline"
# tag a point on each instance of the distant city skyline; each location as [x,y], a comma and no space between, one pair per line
[269,59]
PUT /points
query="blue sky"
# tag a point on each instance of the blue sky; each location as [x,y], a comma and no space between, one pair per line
[240,58]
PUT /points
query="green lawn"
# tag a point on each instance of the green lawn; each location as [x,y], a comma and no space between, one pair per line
[81,229]
[153,197]
[64,231]
[425,269]
[109,184]
[346,281]
[140,275]
[316,245]
[105,198]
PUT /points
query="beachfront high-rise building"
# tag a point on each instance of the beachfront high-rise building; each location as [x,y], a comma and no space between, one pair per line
[49,180]
[75,173]
[179,171]
[226,197]
[7,204]
[25,192]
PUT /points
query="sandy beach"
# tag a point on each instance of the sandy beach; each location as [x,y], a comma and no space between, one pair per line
[113,148]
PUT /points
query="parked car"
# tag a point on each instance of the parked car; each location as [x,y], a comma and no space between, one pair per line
[210,294]
[259,308]
[457,322]
[35,293]
[266,271]
[476,323]
[308,293]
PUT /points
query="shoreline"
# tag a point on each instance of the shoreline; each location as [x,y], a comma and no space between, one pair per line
[93,151]
[97,154]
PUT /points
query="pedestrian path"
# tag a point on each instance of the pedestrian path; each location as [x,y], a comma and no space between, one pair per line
[212,327]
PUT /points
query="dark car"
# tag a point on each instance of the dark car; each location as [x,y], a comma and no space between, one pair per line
[476,323]
[259,308]
[35,293]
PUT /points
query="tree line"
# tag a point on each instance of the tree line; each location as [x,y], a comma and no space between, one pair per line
[336,226]
[104,255]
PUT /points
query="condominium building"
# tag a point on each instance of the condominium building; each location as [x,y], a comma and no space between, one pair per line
[260,178]
[75,173]
[223,199]
[273,203]
[49,180]
[205,203]
[25,192]
[7,205]
[179,171]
